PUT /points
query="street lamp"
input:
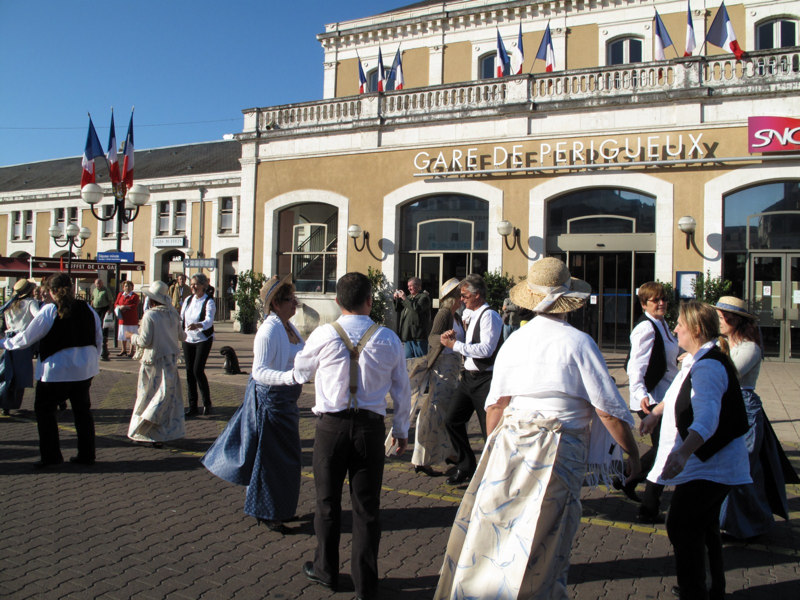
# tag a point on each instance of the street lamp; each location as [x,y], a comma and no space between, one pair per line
[73,232]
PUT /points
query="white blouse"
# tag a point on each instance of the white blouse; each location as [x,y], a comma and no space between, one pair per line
[273,353]
[642,339]
[730,465]
[190,313]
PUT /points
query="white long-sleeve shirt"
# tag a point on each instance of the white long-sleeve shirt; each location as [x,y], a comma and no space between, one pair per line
[70,364]
[382,370]
[273,353]
[642,339]
[190,313]
[491,327]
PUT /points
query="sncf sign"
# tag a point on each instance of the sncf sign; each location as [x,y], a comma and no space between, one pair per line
[773,134]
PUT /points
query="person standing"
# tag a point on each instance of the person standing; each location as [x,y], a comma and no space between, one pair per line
[17,365]
[651,367]
[179,291]
[70,342]
[356,363]
[415,318]
[158,412]
[126,306]
[484,329]
[101,303]
[197,316]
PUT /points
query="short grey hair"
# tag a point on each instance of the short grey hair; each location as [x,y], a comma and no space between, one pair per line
[474,284]
[201,278]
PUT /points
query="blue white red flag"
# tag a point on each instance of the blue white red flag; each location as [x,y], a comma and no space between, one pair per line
[381,72]
[501,58]
[517,55]
[127,151]
[546,52]
[662,39]
[92,150]
[690,43]
[397,71]
[721,33]
[362,79]
[111,153]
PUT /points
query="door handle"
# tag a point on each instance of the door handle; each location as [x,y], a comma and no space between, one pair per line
[778,313]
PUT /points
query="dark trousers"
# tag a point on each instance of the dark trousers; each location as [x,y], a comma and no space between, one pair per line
[693,530]
[349,444]
[196,356]
[473,387]
[46,400]
[101,313]
[651,499]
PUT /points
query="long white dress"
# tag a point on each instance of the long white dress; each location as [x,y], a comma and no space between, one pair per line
[158,413]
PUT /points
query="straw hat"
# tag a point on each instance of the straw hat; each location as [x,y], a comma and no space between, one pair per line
[549,288]
[24,287]
[271,287]
[449,289]
[734,305]
[158,291]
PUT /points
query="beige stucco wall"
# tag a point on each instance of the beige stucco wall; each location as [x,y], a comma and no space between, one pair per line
[457,62]
[41,222]
[416,67]
[581,46]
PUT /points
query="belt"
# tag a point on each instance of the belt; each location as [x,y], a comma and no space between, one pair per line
[356,414]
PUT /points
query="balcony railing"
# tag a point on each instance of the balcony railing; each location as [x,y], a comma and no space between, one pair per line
[760,72]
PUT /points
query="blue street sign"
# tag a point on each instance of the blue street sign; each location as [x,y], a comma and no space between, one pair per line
[113,257]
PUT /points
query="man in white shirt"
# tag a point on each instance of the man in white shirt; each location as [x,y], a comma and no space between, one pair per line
[349,440]
[484,329]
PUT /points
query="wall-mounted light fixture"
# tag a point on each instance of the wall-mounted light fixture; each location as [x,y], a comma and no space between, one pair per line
[505,228]
[688,225]
[355,232]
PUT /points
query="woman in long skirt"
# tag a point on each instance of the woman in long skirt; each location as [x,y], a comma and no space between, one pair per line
[16,366]
[158,413]
[260,447]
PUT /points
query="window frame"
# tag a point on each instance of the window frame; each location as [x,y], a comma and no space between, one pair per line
[626,41]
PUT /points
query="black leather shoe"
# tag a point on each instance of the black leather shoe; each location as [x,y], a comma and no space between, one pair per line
[42,464]
[676,591]
[192,412]
[308,571]
[629,489]
[276,526]
[77,460]
[423,469]
[649,518]
[459,477]
[208,410]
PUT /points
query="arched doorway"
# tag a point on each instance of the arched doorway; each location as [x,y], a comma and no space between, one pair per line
[228,270]
[607,238]
[442,236]
[761,257]
[171,265]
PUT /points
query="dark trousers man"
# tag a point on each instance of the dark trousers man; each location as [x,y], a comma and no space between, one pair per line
[348,444]
[196,356]
[693,530]
[473,387]
[46,400]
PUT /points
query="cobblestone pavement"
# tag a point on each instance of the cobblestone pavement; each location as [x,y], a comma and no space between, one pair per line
[153,523]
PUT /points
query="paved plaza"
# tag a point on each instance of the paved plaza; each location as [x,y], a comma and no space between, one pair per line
[153,523]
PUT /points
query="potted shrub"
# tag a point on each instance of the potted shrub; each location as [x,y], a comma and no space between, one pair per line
[248,300]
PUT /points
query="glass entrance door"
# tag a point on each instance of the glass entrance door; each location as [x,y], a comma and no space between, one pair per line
[435,269]
[775,299]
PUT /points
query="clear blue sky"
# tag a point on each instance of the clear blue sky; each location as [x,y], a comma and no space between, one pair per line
[188,66]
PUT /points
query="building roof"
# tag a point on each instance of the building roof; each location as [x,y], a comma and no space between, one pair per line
[172,161]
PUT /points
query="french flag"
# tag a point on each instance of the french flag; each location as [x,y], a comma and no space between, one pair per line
[111,153]
[362,79]
[127,151]
[501,59]
[546,52]
[721,33]
[662,39]
[92,150]
[397,71]
[381,72]
[690,43]
[517,55]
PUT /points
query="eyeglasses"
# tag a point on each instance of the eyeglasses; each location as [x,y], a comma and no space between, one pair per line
[657,300]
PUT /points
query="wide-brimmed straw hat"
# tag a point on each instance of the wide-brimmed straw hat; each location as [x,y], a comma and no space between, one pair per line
[549,288]
[449,289]
[24,287]
[271,287]
[734,305]
[158,291]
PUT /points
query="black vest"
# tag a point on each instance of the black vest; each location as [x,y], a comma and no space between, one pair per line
[74,331]
[732,415]
[202,317]
[484,364]
[657,367]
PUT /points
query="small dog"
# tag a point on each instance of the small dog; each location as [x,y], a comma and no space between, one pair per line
[231,365]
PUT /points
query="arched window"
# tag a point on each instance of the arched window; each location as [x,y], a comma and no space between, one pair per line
[624,51]
[601,210]
[307,245]
[486,68]
[777,33]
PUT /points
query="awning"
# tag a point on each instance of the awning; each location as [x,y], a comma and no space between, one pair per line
[44,266]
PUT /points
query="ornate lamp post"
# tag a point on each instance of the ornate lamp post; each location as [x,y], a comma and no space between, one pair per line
[72,233]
